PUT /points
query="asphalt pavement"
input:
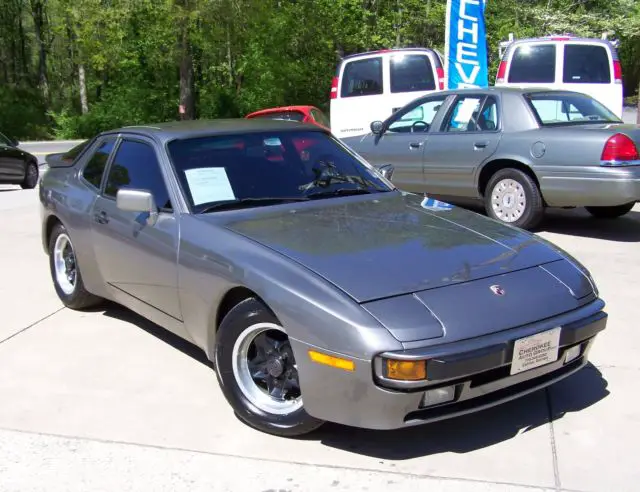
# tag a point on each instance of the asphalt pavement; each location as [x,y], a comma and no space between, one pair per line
[103,400]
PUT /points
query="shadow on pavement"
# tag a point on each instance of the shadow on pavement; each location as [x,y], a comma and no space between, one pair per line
[581,223]
[457,435]
[116,311]
[470,432]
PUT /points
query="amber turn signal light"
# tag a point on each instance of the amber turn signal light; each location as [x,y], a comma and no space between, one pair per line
[329,360]
[406,370]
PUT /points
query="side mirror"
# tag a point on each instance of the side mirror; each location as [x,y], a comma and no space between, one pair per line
[376,127]
[387,171]
[138,201]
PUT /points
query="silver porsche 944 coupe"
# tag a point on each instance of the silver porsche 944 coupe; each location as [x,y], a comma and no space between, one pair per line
[319,291]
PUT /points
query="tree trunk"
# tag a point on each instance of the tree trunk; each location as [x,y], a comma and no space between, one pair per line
[638,106]
[187,107]
[84,104]
[38,14]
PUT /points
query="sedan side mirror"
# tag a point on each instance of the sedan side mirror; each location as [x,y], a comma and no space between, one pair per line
[138,201]
[387,171]
[376,127]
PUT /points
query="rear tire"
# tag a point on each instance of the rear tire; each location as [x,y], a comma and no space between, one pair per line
[248,366]
[610,212]
[31,176]
[513,197]
[65,272]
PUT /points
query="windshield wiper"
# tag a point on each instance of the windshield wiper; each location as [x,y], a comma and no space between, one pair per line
[249,202]
[340,192]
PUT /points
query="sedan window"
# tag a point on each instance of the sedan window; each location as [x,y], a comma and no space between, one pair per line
[266,168]
[136,166]
[557,109]
[418,118]
[464,115]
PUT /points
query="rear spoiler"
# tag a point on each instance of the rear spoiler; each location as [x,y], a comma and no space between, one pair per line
[56,160]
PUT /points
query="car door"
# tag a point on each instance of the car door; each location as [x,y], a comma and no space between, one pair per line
[134,257]
[12,166]
[469,135]
[402,143]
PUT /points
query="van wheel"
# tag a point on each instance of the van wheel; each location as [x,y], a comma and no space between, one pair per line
[513,197]
[610,212]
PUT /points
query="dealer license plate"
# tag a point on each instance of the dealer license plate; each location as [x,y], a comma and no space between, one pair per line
[535,350]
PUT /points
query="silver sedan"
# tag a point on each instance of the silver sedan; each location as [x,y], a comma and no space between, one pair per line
[518,151]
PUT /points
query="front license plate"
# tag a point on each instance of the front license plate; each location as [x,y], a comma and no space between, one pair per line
[535,350]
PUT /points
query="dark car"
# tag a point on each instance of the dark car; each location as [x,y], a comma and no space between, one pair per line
[17,166]
[319,291]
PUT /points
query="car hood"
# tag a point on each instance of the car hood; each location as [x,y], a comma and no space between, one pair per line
[385,245]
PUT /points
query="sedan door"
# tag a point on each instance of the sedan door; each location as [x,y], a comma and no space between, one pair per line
[12,166]
[469,135]
[403,141]
[136,258]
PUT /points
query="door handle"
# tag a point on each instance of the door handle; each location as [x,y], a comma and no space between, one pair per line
[101,217]
[415,145]
[480,145]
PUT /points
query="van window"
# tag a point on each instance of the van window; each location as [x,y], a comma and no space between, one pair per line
[533,64]
[362,78]
[411,73]
[586,64]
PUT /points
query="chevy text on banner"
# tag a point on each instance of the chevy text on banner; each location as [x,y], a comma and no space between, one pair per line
[465,54]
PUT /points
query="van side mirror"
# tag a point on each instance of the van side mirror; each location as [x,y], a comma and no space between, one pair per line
[376,127]
[138,201]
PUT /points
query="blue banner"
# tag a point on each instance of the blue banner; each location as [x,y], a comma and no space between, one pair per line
[465,57]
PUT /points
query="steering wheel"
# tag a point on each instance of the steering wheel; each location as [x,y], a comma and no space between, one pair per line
[417,123]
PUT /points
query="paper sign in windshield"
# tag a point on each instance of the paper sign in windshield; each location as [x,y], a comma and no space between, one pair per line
[466,109]
[209,184]
[433,204]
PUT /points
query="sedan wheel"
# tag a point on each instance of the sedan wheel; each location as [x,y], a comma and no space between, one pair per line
[513,197]
[31,177]
[257,371]
[65,272]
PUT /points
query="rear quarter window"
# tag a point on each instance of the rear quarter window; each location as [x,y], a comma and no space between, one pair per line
[411,73]
[586,64]
[533,64]
[362,78]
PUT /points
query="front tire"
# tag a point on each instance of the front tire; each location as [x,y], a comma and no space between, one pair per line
[257,372]
[610,212]
[31,176]
[65,272]
[513,197]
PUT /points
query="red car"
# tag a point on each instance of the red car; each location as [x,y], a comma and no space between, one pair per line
[304,114]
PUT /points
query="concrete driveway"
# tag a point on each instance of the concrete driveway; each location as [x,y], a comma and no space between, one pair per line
[103,400]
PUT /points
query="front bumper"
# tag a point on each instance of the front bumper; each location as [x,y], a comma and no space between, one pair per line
[590,186]
[478,369]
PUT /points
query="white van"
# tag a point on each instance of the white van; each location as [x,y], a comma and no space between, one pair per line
[585,65]
[371,86]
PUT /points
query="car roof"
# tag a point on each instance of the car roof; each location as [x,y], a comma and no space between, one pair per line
[299,107]
[173,130]
[500,89]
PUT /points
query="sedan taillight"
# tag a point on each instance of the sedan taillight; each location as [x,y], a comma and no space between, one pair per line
[619,149]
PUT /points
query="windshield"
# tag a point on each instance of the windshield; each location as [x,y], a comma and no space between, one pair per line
[558,109]
[261,168]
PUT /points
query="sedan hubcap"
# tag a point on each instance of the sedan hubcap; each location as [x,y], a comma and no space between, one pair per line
[265,369]
[64,261]
[508,200]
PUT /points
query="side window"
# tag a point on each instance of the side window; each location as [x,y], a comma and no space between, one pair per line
[488,118]
[4,140]
[320,117]
[464,114]
[136,166]
[411,73]
[94,169]
[533,64]
[419,118]
[362,78]
[586,64]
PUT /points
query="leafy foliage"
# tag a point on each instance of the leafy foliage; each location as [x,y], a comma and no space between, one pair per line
[234,56]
